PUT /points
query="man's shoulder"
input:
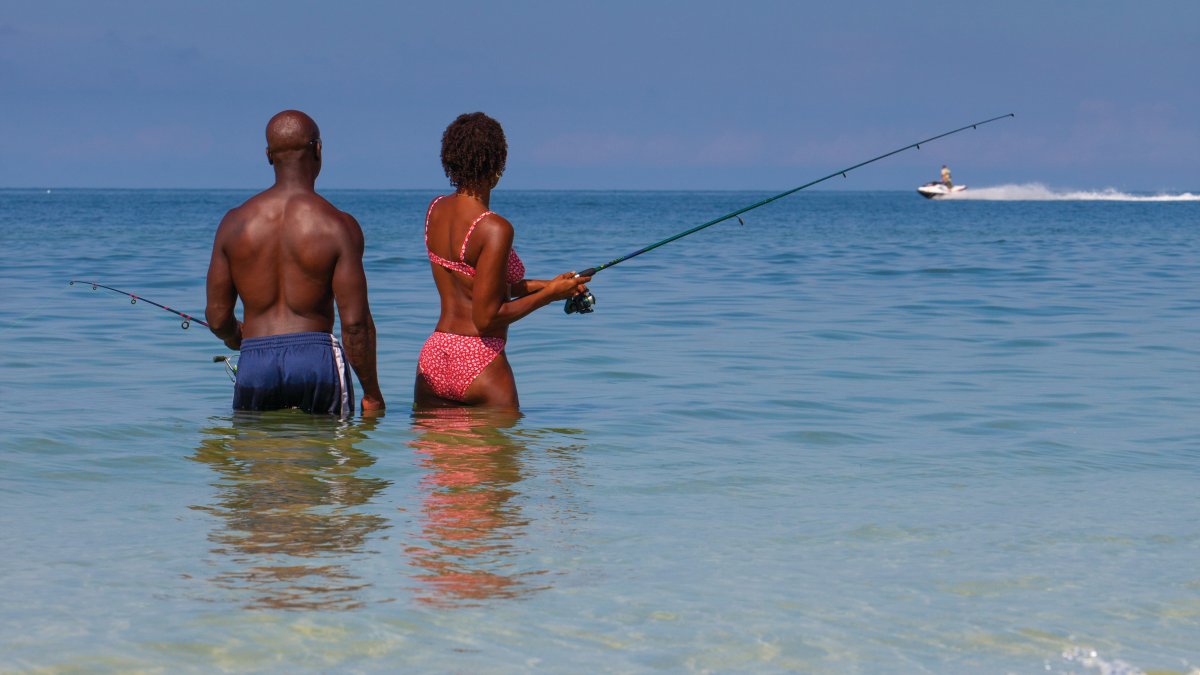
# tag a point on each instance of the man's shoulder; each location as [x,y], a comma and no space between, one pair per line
[319,222]
[331,214]
[250,208]
[314,201]
[258,199]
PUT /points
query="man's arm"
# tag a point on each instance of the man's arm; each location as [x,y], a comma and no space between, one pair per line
[358,327]
[222,294]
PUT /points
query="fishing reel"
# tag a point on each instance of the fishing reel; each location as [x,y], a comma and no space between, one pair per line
[580,304]
[584,302]
[230,366]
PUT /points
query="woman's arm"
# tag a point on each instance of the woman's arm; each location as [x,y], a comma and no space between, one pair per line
[491,308]
[526,286]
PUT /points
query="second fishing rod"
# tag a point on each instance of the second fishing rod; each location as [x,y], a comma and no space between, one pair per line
[583,304]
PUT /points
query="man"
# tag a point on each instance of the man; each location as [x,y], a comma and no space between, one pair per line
[290,255]
[946,176]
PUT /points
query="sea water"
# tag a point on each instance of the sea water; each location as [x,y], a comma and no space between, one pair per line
[862,432]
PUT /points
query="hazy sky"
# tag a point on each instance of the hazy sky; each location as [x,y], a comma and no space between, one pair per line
[735,94]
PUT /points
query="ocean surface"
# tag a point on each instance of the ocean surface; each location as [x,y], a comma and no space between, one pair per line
[861,433]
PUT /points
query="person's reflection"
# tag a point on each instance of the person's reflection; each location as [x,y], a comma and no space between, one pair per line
[470,523]
[290,494]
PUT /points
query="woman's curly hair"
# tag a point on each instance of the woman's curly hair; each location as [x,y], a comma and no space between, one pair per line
[473,151]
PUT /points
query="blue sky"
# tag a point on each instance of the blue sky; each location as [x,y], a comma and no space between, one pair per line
[639,95]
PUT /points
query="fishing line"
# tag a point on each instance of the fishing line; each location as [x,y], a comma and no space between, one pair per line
[13,323]
[187,318]
[582,304]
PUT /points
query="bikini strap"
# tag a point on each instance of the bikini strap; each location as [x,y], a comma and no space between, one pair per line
[437,259]
[462,255]
[428,213]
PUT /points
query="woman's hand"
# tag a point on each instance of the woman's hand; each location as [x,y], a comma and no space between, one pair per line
[565,285]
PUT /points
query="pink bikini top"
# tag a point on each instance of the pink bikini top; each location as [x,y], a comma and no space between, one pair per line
[514,273]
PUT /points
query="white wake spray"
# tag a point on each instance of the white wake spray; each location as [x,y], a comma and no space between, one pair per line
[1039,192]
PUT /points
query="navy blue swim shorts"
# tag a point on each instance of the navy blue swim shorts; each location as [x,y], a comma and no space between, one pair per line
[297,370]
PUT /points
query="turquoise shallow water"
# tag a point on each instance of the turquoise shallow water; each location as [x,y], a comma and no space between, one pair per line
[862,433]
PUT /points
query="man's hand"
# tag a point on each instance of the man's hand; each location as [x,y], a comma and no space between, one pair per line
[234,341]
[372,405]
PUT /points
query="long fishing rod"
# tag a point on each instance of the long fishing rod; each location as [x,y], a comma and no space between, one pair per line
[582,304]
[187,318]
[230,365]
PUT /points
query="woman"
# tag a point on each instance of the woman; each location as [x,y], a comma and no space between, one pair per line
[479,277]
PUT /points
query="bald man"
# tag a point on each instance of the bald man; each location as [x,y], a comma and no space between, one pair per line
[290,256]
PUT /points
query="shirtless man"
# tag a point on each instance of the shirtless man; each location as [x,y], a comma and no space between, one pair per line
[290,255]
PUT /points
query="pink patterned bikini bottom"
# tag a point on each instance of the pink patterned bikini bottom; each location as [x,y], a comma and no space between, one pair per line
[450,362]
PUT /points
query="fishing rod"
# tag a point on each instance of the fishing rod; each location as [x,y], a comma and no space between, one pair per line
[229,363]
[582,304]
[187,318]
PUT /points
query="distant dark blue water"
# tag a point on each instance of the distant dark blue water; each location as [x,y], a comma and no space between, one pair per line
[864,432]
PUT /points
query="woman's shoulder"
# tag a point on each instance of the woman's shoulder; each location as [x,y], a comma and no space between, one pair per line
[492,228]
[493,219]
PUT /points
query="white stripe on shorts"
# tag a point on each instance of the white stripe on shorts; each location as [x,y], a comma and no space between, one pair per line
[344,396]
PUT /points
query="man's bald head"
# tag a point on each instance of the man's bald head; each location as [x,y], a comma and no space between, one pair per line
[294,143]
[291,130]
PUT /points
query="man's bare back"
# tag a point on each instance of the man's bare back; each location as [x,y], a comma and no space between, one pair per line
[282,251]
[290,255]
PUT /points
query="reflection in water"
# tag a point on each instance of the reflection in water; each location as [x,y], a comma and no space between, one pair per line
[472,523]
[290,494]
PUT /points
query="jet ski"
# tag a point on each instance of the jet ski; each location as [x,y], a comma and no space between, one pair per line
[936,190]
